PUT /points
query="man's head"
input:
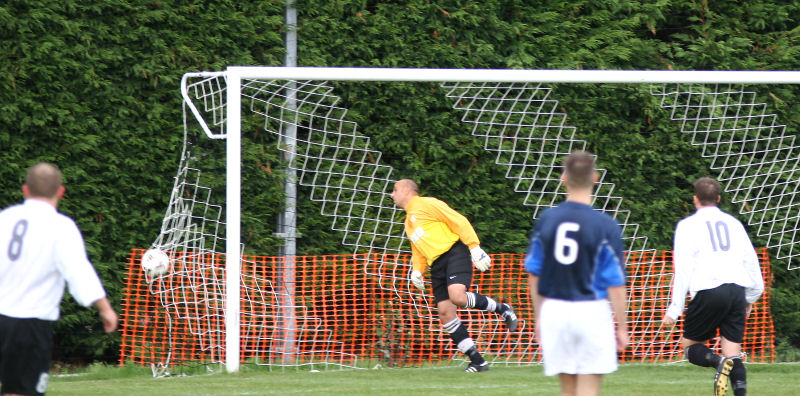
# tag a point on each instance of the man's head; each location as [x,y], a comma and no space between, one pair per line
[706,191]
[403,191]
[43,181]
[579,172]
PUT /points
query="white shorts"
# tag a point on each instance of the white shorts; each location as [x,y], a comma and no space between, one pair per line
[577,337]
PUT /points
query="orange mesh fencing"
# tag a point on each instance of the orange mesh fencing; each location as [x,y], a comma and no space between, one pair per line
[346,310]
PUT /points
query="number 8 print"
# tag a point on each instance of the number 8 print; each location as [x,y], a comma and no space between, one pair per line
[15,245]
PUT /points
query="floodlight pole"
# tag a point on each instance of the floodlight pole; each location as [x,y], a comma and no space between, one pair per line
[288,224]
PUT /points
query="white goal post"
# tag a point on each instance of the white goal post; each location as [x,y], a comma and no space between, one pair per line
[779,226]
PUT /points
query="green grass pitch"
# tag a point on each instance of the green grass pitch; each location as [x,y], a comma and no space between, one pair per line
[631,379]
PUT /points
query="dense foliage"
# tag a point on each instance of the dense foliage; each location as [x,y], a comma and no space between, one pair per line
[94,87]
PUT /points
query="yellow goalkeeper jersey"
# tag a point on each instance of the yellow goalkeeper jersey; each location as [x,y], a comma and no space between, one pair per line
[433,227]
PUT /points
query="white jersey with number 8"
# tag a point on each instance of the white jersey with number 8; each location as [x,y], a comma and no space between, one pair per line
[41,251]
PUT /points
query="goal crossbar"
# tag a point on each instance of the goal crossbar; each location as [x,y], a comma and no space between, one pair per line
[514,75]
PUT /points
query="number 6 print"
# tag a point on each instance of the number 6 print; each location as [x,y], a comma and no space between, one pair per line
[566,248]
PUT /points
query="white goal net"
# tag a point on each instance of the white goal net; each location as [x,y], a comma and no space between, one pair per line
[517,117]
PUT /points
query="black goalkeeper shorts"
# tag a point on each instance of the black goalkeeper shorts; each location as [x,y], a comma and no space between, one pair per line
[454,266]
[722,307]
[26,346]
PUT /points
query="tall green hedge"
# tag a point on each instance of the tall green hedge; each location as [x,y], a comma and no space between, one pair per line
[94,87]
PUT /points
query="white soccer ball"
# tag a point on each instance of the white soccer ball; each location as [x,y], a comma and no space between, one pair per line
[155,262]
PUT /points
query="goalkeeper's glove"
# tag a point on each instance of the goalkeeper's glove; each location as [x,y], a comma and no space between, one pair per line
[480,259]
[416,279]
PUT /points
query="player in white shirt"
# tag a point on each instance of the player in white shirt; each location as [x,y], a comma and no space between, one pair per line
[716,264]
[41,250]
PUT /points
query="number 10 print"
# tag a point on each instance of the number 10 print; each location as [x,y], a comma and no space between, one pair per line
[719,236]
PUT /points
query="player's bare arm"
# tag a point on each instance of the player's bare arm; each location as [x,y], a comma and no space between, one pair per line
[619,305]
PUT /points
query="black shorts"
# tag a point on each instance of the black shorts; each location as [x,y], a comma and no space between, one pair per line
[25,349]
[722,307]
[454,266]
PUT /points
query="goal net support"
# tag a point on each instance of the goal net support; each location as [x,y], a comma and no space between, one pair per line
[242,309]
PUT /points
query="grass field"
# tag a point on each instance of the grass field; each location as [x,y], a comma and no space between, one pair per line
[631,379]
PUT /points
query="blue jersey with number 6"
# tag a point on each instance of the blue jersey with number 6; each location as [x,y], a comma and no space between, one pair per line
[576,251]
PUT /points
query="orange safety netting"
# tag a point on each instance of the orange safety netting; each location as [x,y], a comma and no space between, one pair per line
[345,309]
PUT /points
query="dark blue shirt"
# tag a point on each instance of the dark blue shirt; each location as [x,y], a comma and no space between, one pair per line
[576,251]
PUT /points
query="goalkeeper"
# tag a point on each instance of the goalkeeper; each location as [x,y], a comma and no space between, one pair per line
[445,240]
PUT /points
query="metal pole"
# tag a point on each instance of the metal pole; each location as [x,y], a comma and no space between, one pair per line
[289,223]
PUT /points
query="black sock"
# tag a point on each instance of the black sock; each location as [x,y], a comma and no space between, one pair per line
[460,336]
[703,356]
[738,377]
[475,356]
[484,303]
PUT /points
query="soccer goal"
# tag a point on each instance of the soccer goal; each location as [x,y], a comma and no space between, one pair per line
[241,312]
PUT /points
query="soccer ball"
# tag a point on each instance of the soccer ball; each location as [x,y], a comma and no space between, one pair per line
[155,262]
